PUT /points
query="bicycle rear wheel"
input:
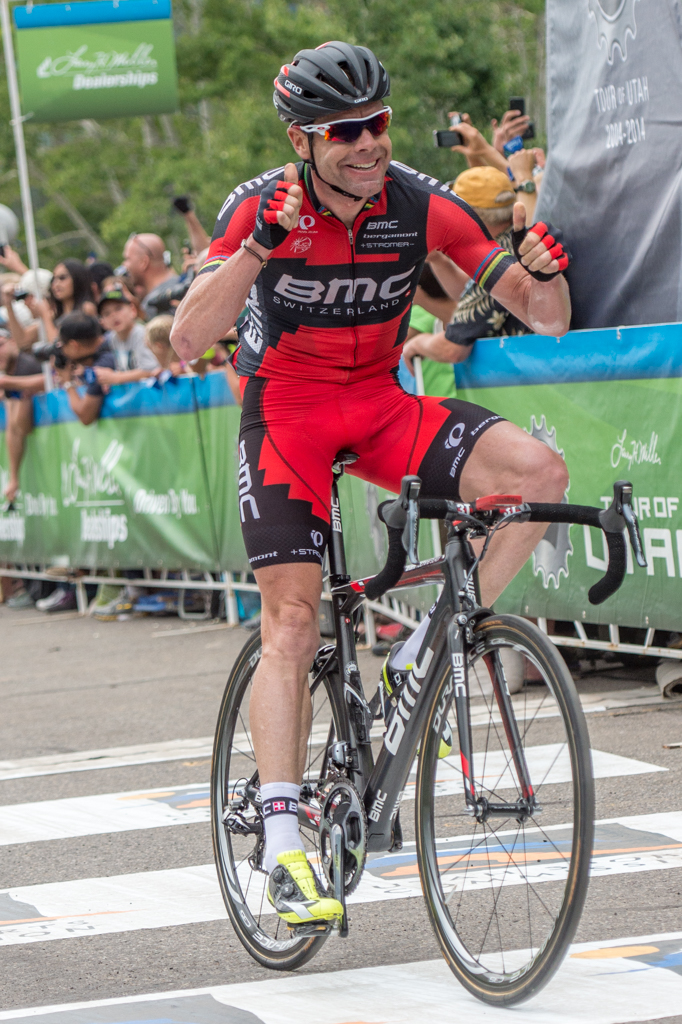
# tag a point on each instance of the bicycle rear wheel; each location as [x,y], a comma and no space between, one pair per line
[237,823]
[505,894]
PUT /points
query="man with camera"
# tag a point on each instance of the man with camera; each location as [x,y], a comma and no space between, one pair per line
[147,265]
[77,356]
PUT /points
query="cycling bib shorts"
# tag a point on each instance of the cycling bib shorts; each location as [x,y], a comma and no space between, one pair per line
[290,435]
[326,321]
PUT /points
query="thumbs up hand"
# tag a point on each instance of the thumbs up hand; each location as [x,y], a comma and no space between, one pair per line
[280,205]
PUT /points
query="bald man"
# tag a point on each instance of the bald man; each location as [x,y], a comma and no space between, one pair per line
[143,258]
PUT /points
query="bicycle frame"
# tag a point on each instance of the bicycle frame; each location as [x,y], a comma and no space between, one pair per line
[381,783]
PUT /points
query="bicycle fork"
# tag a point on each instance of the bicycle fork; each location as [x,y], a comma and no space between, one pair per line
[478,805]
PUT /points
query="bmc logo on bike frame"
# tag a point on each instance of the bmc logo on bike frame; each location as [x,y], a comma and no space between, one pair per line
[396,729]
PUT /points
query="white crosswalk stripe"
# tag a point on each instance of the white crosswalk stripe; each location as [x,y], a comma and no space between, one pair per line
[182,805]
[158,899]
[598,983]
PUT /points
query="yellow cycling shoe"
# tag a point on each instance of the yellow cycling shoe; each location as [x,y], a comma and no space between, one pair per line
[294,892]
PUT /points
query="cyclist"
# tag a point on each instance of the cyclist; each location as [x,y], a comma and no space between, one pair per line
[326,255]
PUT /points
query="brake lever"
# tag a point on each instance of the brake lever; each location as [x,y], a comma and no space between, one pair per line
[409,500]
[620,512]
[633,529]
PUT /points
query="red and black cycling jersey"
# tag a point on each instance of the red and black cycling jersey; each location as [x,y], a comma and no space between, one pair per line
[333,303]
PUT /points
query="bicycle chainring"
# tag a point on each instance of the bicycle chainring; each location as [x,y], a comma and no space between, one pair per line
[341,804]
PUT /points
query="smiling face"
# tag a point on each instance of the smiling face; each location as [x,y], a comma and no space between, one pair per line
[358,167]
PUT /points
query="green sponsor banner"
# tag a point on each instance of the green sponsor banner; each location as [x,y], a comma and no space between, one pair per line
[607,430]
[100,70]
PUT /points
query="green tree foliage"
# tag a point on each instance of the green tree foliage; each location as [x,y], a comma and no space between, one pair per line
[120,175]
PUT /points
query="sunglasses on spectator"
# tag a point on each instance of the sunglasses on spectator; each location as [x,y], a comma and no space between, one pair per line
[61,277]
[134,237]
[352,128]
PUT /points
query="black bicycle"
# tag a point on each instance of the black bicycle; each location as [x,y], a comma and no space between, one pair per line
[502,783]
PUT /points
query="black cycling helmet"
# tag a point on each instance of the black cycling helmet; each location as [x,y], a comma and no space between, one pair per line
[334,77]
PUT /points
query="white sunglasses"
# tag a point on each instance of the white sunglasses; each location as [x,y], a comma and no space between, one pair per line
[350,129]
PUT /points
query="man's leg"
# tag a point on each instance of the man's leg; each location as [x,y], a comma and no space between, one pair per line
[507,460]
[19,426]
[280,703]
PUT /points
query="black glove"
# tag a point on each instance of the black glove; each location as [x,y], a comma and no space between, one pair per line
[551,239]
[267,231]
[183,204]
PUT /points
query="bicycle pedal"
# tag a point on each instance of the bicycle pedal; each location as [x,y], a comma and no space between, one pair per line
[310,931]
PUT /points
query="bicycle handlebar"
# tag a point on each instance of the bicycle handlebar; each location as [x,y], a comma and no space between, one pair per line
[402,514]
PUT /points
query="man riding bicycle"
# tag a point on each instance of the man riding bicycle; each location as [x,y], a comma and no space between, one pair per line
[326,255]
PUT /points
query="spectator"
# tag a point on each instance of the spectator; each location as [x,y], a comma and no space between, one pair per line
[198,239]
[432,309]
[123,284]
[70,291]
[157,336]
[126,338]
[489,192]
[477,149]
[99,272]
[512,124]
[147,264]
[20,378]
[22,316]
[81,352]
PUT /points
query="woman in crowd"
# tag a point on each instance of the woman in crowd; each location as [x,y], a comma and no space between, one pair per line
[70,292]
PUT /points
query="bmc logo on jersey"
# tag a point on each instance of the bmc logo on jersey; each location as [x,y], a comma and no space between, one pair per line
[339,290]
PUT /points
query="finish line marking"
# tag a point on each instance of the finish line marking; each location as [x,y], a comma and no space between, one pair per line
[598,983]
[190,804]
[159,899]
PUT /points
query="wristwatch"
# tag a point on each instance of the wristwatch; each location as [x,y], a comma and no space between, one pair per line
[67,385]
[526,186]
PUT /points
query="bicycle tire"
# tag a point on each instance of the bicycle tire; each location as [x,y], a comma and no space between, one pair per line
[260,931]
[465,878]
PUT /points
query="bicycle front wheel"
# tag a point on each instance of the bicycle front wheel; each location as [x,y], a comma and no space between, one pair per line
[505,891]
[237,823]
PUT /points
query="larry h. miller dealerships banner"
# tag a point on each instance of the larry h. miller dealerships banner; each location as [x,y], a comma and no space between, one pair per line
[96,59]
[614,176]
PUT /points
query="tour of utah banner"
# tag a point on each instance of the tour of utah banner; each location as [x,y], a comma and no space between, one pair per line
[96,59]
[612,184]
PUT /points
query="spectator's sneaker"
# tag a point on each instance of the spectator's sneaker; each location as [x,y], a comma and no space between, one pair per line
[60,600]
[392,682]
[294,892]
[107,596]
[20,601]
[121,605]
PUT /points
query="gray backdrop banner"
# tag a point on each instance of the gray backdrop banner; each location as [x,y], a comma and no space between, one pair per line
[614,176]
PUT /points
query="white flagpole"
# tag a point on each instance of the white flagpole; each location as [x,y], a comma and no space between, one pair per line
[18,127]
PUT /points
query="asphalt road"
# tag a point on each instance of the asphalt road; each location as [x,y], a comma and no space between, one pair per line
[70,685]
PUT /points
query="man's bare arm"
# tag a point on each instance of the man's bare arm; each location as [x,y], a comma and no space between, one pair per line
[214,301]
[545,306]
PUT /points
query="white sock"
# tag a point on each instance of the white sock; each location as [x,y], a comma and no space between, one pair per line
[280,813]
[410,649]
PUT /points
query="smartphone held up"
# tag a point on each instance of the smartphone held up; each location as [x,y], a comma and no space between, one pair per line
[446,138]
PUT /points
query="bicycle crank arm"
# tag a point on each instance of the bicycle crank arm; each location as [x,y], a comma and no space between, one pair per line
[339,875]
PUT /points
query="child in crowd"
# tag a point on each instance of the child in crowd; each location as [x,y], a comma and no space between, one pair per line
[126,338]
[157,336]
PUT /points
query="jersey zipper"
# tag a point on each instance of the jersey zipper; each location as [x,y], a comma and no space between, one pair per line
[352,264]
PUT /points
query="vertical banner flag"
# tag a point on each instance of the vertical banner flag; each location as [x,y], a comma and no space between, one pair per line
[613,178]
[96,58]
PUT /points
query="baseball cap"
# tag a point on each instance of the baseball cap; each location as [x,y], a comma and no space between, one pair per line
[485,187]
[115,295]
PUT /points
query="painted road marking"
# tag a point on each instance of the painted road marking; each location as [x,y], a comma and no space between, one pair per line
[183,805]
[157,899]
[598,983]
[526,706]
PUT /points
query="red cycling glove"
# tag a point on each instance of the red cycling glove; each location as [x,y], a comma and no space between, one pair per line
[268,232]
[549,237]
